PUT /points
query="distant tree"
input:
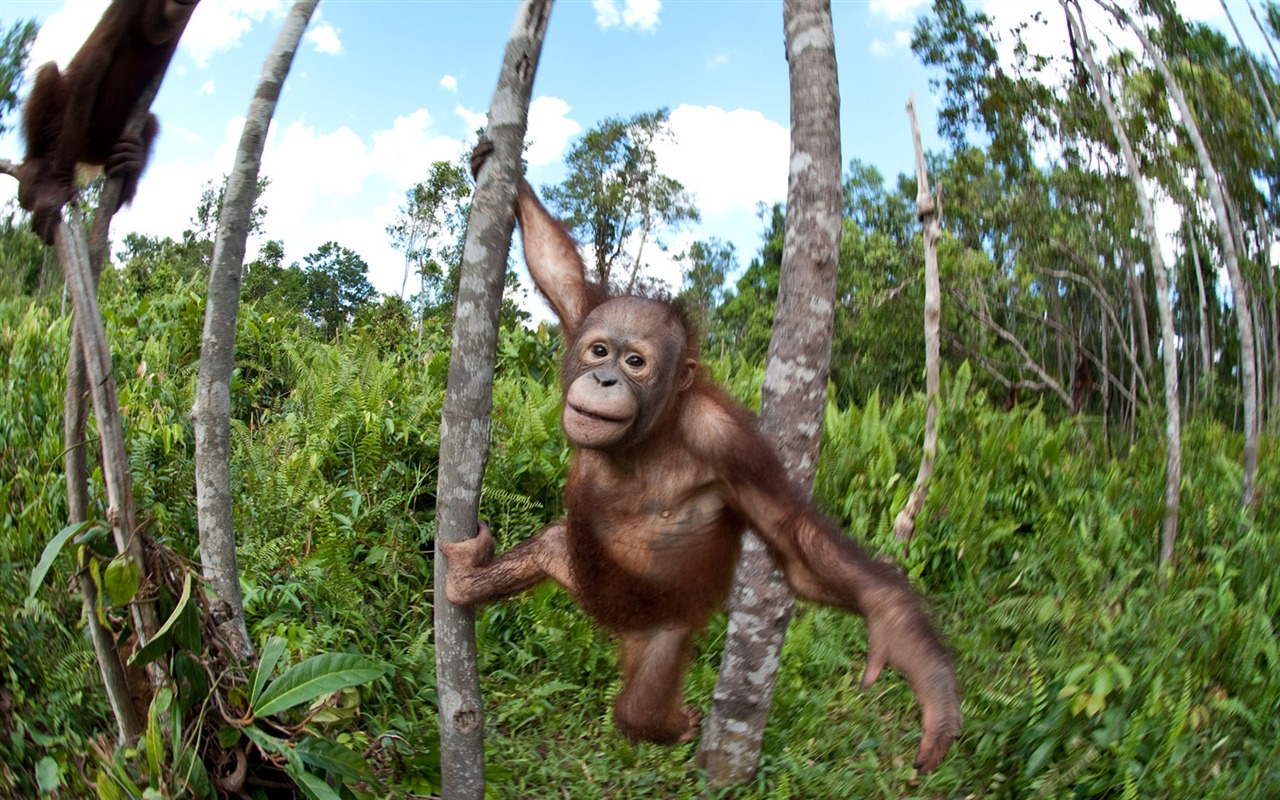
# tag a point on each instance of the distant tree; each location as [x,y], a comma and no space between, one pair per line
[337,286]
[707,264]
[199,237]
[276,288]
[153,265]
[616,199]
[388,324]
[15,49]
[744,319]
[428,229]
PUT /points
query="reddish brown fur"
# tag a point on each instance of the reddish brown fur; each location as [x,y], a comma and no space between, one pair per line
[78,115]
[668,472]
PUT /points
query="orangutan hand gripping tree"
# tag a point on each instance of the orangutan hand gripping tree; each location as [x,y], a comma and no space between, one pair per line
[668,472]
[77,116]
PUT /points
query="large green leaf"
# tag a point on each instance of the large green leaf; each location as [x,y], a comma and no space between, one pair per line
[315,677]
[120,579]
[51,551]
[334,758]
[160,642]
[271,653]
[313,786]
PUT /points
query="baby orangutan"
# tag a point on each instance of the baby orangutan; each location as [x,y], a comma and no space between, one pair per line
[668,471]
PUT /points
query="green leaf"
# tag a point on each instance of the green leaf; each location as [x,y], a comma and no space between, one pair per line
[154,738]
[318,675]
[109,789]
[51,551]
[1036,762]
[120,579]
[193,773]
[335,758]
[47,774]
[312,786]
[271,653]
[160,642]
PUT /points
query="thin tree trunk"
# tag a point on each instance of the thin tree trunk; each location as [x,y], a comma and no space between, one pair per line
[1206,356]
[75,461]
[1168,339]
[468,403]
[211,414]
[1106,388]
[73,252]
[1138,301]
[1100,292]
[904,525]
[1275,318]
[1239,289]
[795,388]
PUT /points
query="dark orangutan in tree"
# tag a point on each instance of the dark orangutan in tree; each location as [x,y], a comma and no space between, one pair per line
[667,473]
[78,115]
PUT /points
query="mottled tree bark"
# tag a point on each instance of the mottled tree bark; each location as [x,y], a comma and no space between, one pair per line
[904,525]
[211,413]
[468,403]
[795,387]
[1168,338]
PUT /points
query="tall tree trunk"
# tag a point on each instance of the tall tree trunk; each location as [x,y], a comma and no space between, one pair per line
[795,388]
[1239,289]
[211,413]
[468,403]
[1168,340]
[904,525]
[1275,318]
[1138,302]
[73,252]
[1206,343]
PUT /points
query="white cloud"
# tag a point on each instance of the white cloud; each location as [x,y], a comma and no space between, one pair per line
[64,31]
[324,38]
[899,43]
[219,26]
[897,10]
[449,84]
[474,120]
[550,129]
[406,151]
[730,160]
[640,15]
[717,60]
[207,87]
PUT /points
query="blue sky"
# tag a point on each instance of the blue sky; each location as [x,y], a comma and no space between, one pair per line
[382,88]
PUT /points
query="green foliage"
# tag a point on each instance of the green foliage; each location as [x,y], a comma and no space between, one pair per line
[337,287]
[1086,672]
[15,47]
[614,191]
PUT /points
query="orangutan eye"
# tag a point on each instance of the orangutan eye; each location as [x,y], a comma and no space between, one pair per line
[599,350]
[636,362]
